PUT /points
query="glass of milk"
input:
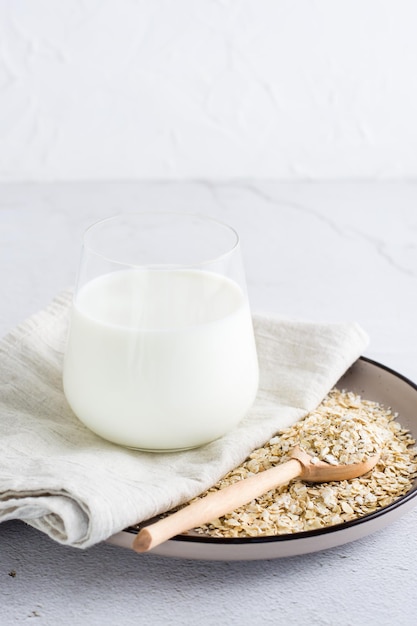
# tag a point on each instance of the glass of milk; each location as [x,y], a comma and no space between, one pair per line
[161,353]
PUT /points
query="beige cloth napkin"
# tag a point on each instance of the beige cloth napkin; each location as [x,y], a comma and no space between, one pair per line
[79,489]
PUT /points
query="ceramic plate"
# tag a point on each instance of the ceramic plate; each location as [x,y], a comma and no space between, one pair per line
[372,381]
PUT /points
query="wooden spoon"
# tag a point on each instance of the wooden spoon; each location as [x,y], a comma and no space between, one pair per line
[230,498]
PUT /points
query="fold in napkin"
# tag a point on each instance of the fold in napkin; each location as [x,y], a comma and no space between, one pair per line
[59,477]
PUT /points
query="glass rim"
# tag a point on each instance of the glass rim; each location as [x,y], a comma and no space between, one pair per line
[156,266]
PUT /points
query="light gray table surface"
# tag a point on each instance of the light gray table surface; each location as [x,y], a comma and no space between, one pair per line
[321,252]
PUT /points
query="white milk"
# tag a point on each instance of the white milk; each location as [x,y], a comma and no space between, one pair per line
[160,359]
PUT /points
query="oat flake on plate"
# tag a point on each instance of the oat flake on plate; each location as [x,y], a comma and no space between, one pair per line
[343,429]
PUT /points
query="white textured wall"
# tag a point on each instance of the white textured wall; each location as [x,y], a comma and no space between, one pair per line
[203,88]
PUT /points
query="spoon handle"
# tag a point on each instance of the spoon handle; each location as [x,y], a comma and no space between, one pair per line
[215,505]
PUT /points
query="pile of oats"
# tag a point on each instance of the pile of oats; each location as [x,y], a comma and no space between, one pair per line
[343,429]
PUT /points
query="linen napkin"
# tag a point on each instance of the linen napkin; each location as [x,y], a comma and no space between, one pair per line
[64,480]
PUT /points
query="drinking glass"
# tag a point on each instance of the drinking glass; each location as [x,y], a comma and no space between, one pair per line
[161,353]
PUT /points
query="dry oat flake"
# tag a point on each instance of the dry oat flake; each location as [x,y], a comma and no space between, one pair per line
[343,429]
